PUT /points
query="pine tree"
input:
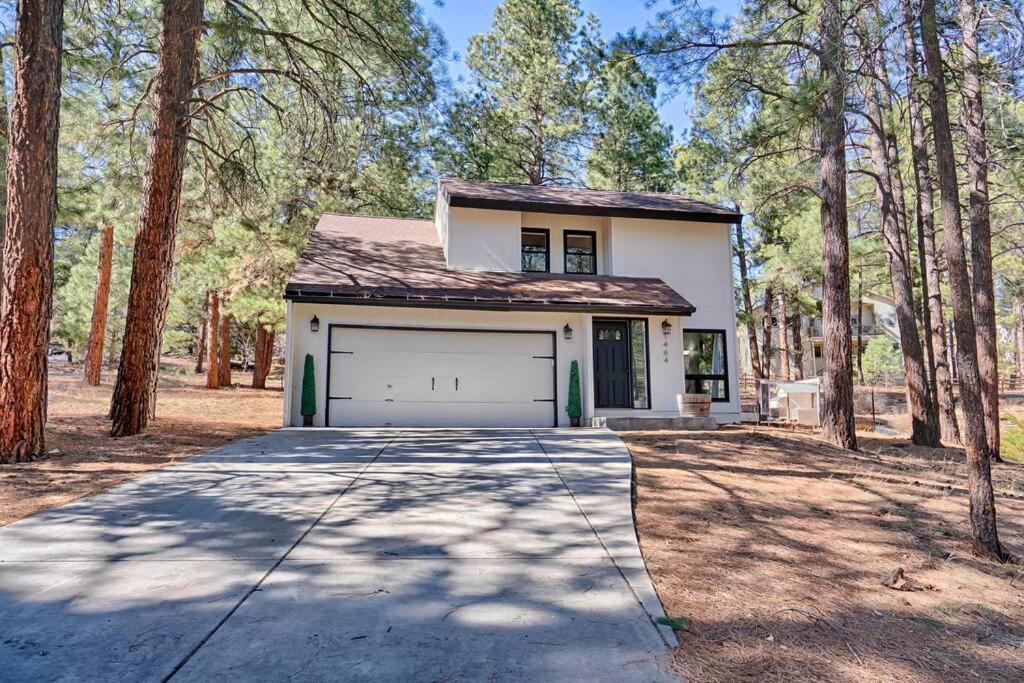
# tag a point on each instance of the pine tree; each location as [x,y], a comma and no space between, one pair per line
[631,147]
[28,241]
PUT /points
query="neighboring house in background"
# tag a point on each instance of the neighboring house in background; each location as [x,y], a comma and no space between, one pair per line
[474,318]
[873,316]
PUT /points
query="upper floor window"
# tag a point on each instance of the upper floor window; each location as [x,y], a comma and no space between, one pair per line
[535,250]
[580,252]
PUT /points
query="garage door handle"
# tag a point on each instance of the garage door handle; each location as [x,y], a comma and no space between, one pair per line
[432,383]
[456,384]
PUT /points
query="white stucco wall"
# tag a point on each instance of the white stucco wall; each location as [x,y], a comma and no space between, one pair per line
[666,377]
[480,239]
[695,259]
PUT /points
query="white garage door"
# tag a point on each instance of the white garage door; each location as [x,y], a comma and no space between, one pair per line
[440,378]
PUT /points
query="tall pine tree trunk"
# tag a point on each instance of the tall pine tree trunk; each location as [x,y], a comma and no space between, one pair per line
[981,226]
[767,330]
[4,141]
[213,344]
[98,329]
[783,325]
[158,216]
[924,420]
[264,357]
[748,306]
[224,365]
[28,242]
[201,341]
[798,345]
[837,380]
[984,533]
[935,319]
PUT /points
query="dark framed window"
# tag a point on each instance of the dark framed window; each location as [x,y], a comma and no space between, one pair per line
[705,363]
[580,251]
[536,250]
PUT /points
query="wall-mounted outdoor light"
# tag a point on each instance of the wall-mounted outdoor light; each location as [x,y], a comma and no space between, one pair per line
[666,327]
[314,325]
[567,331]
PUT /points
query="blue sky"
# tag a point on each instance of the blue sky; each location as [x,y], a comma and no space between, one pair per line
[460,19]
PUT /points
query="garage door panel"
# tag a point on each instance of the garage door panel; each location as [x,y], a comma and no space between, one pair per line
[439,341]
[427,364]
[440,378]
[433,414]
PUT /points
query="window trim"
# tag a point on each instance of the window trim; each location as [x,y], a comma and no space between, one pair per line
[565,250]
[724,377]
[632,371]
[547,248]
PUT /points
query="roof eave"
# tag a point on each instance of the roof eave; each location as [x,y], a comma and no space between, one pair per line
[299,296]
[458,201]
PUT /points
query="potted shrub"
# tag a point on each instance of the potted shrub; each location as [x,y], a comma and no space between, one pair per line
[574,407]
[308,392]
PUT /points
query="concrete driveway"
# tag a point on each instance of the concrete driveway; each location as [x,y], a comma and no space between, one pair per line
[343,555]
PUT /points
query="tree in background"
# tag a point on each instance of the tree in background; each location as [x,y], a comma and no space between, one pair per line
[131,405]
[984,536]
[530,106]
[98,324]
[631,148]
[28,241]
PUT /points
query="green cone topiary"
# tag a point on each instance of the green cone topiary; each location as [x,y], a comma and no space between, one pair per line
[308,390]
[574,407]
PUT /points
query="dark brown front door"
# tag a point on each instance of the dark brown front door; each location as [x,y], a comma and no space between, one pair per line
[611,364]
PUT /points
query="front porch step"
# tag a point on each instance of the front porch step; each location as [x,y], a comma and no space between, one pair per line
[632,424]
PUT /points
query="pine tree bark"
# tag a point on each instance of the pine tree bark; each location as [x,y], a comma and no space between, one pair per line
[748,306]
[98,329]
[798,345]
[837,379]
[984,532]
[981,226]
[923,418]
[264,357]
[4,141]
[28,242]
[934,316]
[158,216]
[213,345]
[860,328]
[201,341]
[767,331]
[224,365]
[783,325]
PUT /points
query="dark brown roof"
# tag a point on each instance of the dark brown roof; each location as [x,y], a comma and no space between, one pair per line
[400,262]
[573,200]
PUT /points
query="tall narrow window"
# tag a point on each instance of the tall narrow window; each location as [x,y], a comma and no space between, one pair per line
[705,363]
[638,351]
[580,252]
[535,250]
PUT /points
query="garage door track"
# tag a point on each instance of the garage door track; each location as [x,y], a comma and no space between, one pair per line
[344,555]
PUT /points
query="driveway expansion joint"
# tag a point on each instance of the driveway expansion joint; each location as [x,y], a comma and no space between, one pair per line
[257,586]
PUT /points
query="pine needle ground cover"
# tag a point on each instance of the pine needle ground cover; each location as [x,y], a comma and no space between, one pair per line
[189,419]
[782,555]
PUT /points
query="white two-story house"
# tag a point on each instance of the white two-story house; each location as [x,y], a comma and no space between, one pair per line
[474,318]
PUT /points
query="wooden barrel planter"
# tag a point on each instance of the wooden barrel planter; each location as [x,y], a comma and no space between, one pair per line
[694,405]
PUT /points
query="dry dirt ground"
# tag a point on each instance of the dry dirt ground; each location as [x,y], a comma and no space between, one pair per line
[774,545]
[190,419]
